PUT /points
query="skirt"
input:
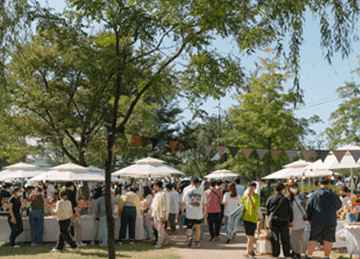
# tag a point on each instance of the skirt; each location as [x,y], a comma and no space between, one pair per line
[298,241]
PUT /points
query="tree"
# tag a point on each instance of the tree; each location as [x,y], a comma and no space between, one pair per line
[345,123]
[264,119]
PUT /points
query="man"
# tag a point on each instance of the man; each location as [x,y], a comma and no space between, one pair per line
[195,202]
[95,195]
[214,198]
[321,213]
[346,198]
[50,189]
[174,207]
[160,213]
[71,196]
[339,183]
[4,196]
[101,216]
[239,188]
[259,185]
[219,186]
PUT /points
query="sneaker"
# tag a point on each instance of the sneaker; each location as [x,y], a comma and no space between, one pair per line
[212,239]
[197,244]
[158,246]
[227,241]
[155,242]
[166,242]
[75,250]
[81,244]
[120,243]
[189,241]
[54,250]
[67,246]
[15,246]
[249,256]
[217,239]
[148,240]
[131,242]
[252,253]
[92,243]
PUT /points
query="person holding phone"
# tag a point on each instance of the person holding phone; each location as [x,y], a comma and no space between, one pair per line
[14,217]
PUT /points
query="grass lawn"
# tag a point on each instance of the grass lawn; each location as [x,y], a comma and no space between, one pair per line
[138,250]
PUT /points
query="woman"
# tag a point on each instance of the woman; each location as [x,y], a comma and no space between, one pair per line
[36,215]
[231,201]
[282,217]
[146,203]
[64,215]
[129,207]
[251,202]
[14,217]
[298,227]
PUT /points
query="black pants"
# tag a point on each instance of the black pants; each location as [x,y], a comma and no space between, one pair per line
[64,235]
[214,222]
[282,229]
[16,228]
[172,218]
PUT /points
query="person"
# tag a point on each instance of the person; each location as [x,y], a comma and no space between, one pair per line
[259,185]
[181,214]
[205,185]
[283,216]
[321,213]
[55,197]
[239,187]
[4,196]
[219,186]
[346,197]
[195,202]
[64,214]
[50,189]
[129,207]
[174,207]
[214,199]
[95,195]
[100,215]
[160,213]
[339,183]
[231,201]
[146,202]
[25,198]
[298,240]
[71,196]
[14,217]
[36,216]
[251,201]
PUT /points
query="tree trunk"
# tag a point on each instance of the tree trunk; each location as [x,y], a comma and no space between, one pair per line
[108,207]
[85,190]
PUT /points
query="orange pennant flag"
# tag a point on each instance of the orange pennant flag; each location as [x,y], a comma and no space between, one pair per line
[112,149]
[173,145]
[107,155]
[136,140]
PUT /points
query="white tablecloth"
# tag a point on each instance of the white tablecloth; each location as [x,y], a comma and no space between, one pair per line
[51,229]
[339,242]
[351,236]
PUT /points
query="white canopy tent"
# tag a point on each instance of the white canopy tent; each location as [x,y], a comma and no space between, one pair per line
[223,173]
[60,176]
[20,171]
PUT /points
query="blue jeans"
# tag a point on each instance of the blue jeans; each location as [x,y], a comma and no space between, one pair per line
[16,228]
[36,218]
[182,217]
[148,229]
[103,231]
[226,226]
[128,217]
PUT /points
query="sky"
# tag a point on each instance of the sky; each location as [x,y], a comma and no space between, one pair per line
[318,79]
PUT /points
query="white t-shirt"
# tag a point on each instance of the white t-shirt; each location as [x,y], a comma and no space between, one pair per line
[174,202]
[194,200]
[50,190]
[231,203]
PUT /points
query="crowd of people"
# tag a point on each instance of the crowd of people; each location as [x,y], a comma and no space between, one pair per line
[299,221]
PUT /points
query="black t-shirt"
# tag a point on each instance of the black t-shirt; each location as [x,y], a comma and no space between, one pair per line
[3,194]
[16,204]
[71,195]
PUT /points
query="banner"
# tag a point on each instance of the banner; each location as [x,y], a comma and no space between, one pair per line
[154,142]
[220,150]
[339,154]
[307,154]
[247,151]
[355,154]
[144,141]
[182,146]
[163,144]
[173,145]
[136,140]
[290,154]
[322,154]
[208,149]
[275,153]
[129,137]
[261,152]
[233,150]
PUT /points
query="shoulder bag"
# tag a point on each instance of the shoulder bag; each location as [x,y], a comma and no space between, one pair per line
[270,218]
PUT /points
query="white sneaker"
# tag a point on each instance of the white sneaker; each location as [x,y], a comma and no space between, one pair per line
[81,244]
[15,246]
[67,246]
[120,243]
[131,242]
[75,250]
[92,243]
[54,250]
[158,246]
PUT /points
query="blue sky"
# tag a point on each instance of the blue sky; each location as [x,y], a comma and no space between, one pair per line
[319,79]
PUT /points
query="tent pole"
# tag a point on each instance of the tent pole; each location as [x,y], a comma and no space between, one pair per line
[351,181]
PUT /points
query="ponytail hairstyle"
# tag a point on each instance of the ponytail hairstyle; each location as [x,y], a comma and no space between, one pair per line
[232,189]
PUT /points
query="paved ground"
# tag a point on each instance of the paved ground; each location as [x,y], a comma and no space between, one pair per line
[219,250]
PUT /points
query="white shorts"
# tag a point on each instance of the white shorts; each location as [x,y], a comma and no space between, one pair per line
[260,215]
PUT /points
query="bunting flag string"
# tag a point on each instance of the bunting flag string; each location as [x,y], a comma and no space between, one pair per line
[173,145]
[208,149]
[322,154]
[247,151]
[275,153]
[339,154]
[129,137]
[154,142]
[182,146]
[136,140]
[307,154]
[355,154]
[144,141]
[233,150]
[290,154]
[261,152]
[220,150]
